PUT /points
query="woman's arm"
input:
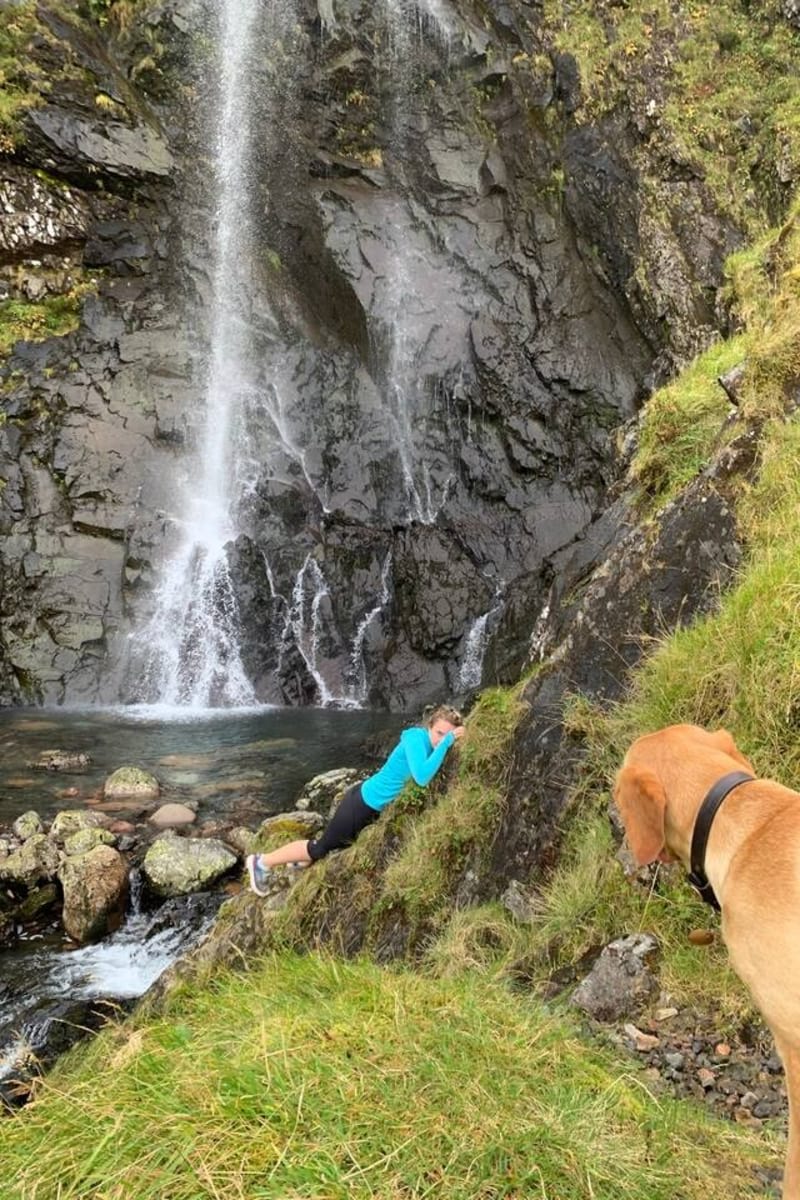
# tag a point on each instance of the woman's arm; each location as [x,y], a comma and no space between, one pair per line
[422,761]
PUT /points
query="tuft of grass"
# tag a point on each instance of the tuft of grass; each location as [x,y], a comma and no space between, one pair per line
[54,316]
[682,423]
[20,79]
[308,1077]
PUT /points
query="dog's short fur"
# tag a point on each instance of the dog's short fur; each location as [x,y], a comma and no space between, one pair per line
[752,862]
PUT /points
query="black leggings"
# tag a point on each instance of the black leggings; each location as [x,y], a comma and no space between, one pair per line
[345,825]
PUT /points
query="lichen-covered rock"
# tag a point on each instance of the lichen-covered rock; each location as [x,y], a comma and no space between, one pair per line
[26,825]
[621,981]
[170,815]
[70,820]
[241,839]
[324,792]
[36,861]
[174,866]
[94,886]
[287,827]
[61,760]
[86,839]
[131,781]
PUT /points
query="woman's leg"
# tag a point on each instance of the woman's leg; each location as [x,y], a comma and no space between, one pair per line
[292,852]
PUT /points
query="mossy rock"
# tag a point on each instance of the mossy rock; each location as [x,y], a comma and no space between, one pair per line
[71,820]
[86,839]
[286,827]
[27,825]
[176,866]
[131,781]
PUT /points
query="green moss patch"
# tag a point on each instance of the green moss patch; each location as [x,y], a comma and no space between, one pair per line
[719,79]
[54,316]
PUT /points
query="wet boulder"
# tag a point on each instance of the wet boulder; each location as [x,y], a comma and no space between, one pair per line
[95,884]
[60,760]
[35,862]
[170,815]
[175,866]
[324,792]
[131,781]
[287,827]
[27,825]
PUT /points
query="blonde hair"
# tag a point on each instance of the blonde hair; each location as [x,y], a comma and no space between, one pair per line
[440,712]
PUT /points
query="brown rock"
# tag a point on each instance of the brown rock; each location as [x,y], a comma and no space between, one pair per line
[642,1041]
[701,937]
[170,815]
[94,886]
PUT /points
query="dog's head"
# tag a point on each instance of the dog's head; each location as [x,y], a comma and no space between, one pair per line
[659,768]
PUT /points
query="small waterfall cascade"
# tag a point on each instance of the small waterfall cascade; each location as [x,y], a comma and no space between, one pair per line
[409,315]
[357,654]
[470,672]
[190,645]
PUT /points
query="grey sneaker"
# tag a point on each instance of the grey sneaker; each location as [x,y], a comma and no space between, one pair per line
[259,876]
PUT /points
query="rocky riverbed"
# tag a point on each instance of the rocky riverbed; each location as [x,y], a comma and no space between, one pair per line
[98,898]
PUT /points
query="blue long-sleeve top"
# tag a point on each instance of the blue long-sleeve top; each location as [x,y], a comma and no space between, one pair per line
[412,758]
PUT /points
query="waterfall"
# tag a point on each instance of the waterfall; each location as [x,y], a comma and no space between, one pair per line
[357,654]
[305,626]
[190,646]
[409,316]
[470,672]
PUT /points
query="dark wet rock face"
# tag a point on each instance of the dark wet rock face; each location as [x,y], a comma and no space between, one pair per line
[457,295]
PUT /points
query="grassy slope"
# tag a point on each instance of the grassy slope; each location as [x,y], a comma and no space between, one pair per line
[308,1077]
[738,668]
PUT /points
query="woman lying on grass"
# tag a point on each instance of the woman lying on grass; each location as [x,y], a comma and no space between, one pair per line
[418,755]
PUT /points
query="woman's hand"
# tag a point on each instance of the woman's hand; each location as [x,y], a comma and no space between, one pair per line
[459,731]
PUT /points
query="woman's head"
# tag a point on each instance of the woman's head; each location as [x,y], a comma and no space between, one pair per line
[439,721]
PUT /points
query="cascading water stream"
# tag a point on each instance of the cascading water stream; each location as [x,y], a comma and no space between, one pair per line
[190,644]
[409,315]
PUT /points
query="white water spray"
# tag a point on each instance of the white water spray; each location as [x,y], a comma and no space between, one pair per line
[190,644]
[357,655]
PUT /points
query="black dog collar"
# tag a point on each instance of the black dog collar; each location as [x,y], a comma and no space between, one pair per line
[702,828]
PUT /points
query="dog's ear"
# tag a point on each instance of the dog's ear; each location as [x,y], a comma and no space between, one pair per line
[728,746]
[641,801]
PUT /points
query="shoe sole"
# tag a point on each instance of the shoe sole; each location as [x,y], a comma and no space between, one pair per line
[251,871]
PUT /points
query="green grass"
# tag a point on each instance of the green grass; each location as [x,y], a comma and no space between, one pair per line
[682,423]
[308,1077]
[20,79]
[54,316]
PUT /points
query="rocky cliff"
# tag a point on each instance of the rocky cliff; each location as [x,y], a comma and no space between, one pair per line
[474,261]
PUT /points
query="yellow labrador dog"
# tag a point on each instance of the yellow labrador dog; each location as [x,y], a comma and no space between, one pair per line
[665,791]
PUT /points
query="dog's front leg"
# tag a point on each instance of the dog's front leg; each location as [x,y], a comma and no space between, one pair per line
[791,1172]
